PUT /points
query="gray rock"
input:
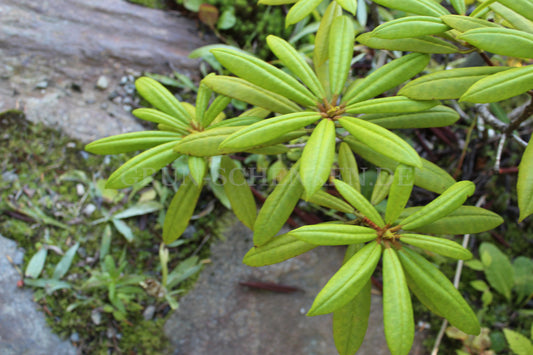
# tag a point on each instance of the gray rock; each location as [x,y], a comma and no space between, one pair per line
[102,83]
[223,315]
[23,329]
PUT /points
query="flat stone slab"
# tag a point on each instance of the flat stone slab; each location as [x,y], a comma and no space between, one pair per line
[23,329]
[53,53]
[221,317]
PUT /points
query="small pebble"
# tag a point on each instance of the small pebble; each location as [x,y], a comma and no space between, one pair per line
[123,80]
[126,108]
[80,189]
[104,105]
[42,84]
[96,316]
[74,337]
[102,83]
[89,209]
[149,312]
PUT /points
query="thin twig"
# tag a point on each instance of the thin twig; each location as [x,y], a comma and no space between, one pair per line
[456,280]
[499,152]
[528,111]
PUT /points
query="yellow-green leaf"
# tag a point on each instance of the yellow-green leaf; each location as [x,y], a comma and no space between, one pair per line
[348,281]
[348,5]
[205,143]
[162,99]
[466,23]
[341,42]
[180,210]
[264,75]
[400,191]
[449,201]
[153,115]
[238,192]
[278,207]
[419,7]
[217,106]
[433,289]
[356,199]
[348,166]
[411,26]
[321,54]
[243,90]
[498,269]
[394,104]
[300,10]
[324,199]
[447,84]
[523,7]
[438,116]
[317,157]
[267,130]
[382,186]
[334,234]
[464,220]
[515,19]
[459,6]
[386,77]
[501,86]
[381,140]
[142,166]
[202,101]
[197,168]
[276,250]
[503,41]
[130,142]
[437,245]
[524,186]
[294,61]
[422,44]
[398,319]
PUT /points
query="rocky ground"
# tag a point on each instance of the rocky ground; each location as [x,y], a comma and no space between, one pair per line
[71,64]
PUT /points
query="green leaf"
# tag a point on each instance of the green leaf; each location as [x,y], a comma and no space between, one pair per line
[515,19]
[205,143]
[278,207]
[437,293]
[398,319]
[317,157]
[202,101]
[449,201]
[400,191]
[180,210]
[348,166]
[412,26]
[464,220]
[157,95]
[351,278]
[334,234]
[438,116]
[447,84]
[419,7]
[264,75]
[217,106]
[381,140]
[267,130]
[238,192]
[153,115]
[394,104]
[348,5]
[324,199]
[523,7]
[350,322]
[479,285]
[341,42]
[296,64]
[518,343]
[437,245]
[321,52]
[139,209]
[142,165]
[227,20]
[276,250]
[131,142]
[243,90]
[525,183]
[386,77]
[300,10]
[123,229]
[237,121]
[523,277]
[501,86]
[197,168]
[498,269]
[503,41]
[36,264]
[459,6]
[382,186]
[430,177]
[356,199]
[422,44]
[465,23]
